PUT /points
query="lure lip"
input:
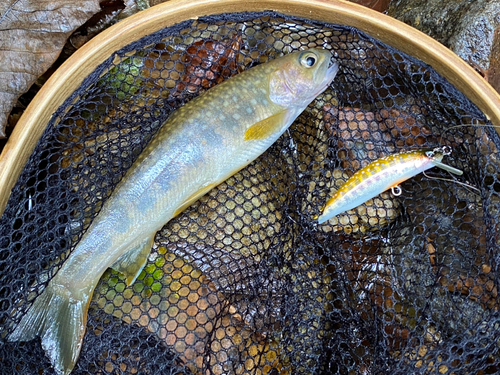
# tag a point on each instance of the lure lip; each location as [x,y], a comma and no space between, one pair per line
[444,151]
[447,167]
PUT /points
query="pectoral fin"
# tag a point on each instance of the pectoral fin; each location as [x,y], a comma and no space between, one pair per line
[265,128]
[132,262]
[193,198]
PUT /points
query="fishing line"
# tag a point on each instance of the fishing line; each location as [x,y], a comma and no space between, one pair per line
[452,170]
[464,184]
[465,125]
[446,150]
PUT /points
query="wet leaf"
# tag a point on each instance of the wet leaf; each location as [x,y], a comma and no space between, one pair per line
[133,6]
[378,5]
[493,73]
[32,34]
[111,12]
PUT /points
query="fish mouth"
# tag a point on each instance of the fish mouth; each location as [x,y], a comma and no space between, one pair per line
[331,72]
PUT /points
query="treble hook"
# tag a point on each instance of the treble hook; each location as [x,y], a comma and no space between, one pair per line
[396,190]
[446,150]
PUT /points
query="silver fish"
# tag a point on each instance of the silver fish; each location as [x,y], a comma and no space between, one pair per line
[201,144]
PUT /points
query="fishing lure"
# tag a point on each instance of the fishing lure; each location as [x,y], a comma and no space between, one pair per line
[381,175]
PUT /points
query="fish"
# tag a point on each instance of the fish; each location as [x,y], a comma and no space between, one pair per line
[199,146]
[381,175]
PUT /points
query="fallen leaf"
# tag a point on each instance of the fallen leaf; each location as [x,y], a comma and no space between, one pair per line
[133,6]
[208,62]
[378,5]
[111,12]
[493,72]
[32,34]
[156,2]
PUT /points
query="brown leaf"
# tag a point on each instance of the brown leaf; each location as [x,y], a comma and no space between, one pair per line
[493,73]
[32,34]
[378,5]
[133,6]
[209,62]
[111,12]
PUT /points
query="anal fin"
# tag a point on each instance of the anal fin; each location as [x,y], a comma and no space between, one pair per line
[194,197]
[133,261]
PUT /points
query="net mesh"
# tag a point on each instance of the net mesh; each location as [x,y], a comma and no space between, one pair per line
[245,281]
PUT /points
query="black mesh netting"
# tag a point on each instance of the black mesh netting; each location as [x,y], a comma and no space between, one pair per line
[244,281]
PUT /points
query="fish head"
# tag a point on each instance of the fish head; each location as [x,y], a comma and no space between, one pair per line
[301,76]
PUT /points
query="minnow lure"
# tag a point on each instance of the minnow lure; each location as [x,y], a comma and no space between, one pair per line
[199,146]
[383,174]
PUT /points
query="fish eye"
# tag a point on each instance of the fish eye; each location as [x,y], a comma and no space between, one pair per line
[308,60]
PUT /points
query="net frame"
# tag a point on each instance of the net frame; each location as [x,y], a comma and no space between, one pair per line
[490,135]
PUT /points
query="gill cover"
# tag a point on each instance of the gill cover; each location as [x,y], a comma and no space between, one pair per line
[304,77]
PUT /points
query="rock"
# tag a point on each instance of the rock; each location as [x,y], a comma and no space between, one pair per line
[467,27]
[473,39]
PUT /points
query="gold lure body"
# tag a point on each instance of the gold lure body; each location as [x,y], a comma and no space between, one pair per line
[380,175]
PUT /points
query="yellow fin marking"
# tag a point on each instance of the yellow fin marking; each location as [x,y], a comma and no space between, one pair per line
[265,128]
[193,198]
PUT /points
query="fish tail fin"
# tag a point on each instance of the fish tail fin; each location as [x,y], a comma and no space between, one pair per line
[60,322]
